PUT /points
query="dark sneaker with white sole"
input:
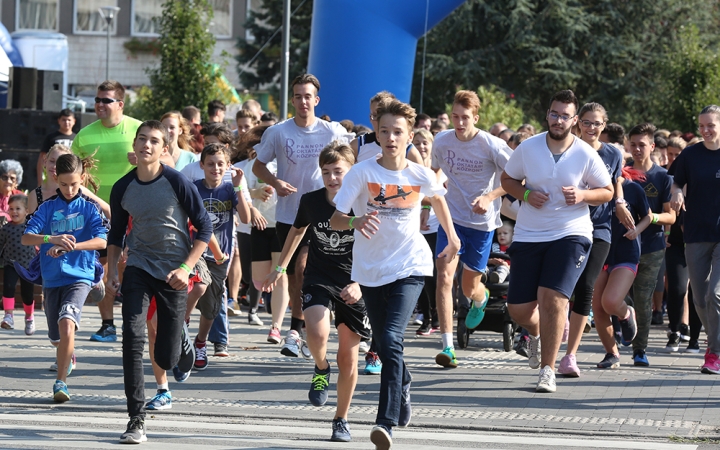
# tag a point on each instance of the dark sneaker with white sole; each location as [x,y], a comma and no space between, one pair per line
[319,386]
[135,432]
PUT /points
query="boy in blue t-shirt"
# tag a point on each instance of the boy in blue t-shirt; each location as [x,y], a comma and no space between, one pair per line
[219,198]
[68,228]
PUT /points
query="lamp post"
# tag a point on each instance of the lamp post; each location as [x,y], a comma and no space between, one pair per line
[108,13]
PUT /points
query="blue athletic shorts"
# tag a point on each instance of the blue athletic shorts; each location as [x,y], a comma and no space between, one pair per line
[555,265]
[475,246]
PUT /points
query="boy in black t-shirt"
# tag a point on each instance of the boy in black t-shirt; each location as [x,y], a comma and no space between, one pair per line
[327,281]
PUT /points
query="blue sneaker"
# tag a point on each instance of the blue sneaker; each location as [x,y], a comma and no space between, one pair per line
[106,333]
[640,358]
[405,407]
[340,430]
[179,375]
[319,387]
[381,436]
[373,366]
[476,315]
[446,358]
[60,392]
[161,401]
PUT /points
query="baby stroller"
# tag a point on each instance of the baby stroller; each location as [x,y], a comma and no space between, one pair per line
[496,319]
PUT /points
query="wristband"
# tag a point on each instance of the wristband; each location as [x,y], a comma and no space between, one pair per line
[185,267]
[237,188]
[223,259]
[667,233]
[426,207]
[655,218]
[527,192]
[280,269]
[351,221]
[46,239]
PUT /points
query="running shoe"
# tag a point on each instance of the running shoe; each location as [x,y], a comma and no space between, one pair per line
[568,366]
[253,319]
[424,330]
[373,366]
[340,430]
[381,436]
[161,401]
[135,432]
[221,350]
[201,359]
[8,323]
[274,336]
[187,351]
[611,361]
[712,363]
[629,326]
[657,318]
[640,358]
[30,326]
[405,407]
[292,344]
[446,358]
[693,346]
[534,352]
[476,314]
[673,343]
[418,320]
[232,308]
[53,367]
[60,392]
[364,347]
[684,331]
[319,387]
[106,333]
[522,346]
[546,380]
[179,375]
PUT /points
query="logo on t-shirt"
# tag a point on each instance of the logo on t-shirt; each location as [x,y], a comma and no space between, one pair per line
[393,199]
[293,151]
[460,164]
[332,241]
[651,191]
[61,224]
[218,210]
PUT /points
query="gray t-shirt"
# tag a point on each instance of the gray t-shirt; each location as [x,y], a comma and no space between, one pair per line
[473,168]
[297,150]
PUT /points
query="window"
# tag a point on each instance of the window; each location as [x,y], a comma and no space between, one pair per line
[146,17]
[222,18]
[37,14]
[88,19]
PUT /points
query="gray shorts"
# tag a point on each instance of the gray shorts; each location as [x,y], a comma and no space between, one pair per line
[64,302]
[211,301]
[201,269]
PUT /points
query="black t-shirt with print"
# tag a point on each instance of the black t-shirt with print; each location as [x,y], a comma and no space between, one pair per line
[56,137]
[329,262]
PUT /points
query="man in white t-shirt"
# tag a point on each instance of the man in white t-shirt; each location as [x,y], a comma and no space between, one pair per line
[553,234]
[296,145]
[472,160]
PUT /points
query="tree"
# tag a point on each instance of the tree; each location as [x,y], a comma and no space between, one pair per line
[185,75]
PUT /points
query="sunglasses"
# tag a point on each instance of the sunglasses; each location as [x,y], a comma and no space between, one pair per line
[106,101]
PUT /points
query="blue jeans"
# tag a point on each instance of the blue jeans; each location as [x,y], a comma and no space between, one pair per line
[220,330]
[389,308]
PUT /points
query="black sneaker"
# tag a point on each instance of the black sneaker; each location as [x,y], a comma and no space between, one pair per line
[187,353]
[673,344]
[424,330]
[611,361]
[657,318]
[693,346]
[405,407]
[135,432]
[629,326]
[521,348]
[684,331]
[319,387]
[340,430]
[106,333]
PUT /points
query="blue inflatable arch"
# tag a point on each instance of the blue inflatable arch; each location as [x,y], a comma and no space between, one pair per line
[361,47]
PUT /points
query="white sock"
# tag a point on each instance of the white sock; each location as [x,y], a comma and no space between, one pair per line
[447,339]
[163,386]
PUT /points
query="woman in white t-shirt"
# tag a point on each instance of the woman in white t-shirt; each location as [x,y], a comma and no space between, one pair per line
[390,257]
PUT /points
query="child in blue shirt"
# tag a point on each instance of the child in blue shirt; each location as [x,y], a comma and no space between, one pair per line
[68,228]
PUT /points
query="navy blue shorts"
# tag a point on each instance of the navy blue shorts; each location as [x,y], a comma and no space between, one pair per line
[555,265]
[475,246]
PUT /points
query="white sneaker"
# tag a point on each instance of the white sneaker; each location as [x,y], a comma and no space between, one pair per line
[253,319]
[418,319]
[364,347]
[534,352]
[292,344]
[8,323]
[546,381]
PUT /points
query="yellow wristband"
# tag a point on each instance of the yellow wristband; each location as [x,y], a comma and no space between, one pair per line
[185,267]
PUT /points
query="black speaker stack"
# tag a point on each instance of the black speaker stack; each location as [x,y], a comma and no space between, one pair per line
[29,88]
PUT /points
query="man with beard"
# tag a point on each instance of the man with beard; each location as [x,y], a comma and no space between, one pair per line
[553,234]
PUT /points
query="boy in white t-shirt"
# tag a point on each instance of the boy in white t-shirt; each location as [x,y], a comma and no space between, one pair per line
[390,256]
[553,233]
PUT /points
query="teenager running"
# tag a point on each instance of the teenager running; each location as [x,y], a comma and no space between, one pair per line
[390,256]
[562,175]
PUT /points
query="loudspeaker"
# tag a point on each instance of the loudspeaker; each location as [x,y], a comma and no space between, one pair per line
[22,88]
[49,90]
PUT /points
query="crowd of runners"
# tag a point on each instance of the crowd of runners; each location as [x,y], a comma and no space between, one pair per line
[372,228]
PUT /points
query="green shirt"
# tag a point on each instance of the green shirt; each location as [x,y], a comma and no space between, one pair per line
[184,159]
[112,145]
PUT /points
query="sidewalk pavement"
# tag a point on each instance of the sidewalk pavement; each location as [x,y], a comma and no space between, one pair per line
[490,390]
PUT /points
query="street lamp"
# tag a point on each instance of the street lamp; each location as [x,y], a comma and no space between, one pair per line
[108,13]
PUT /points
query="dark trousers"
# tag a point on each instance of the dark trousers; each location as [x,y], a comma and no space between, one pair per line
[137,289]
[427,303]
[585,285]
[10,279]
[389,308]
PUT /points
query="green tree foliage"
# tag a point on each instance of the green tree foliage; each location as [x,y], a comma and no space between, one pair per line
[609,51]
[185,75]
[265,69]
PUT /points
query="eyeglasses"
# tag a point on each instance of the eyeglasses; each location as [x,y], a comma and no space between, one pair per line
[588,124]
[7,178]
[106,101]
[556,116]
